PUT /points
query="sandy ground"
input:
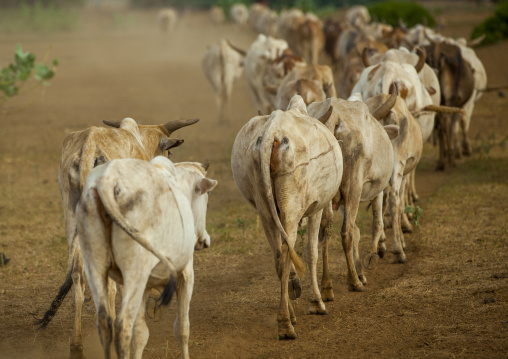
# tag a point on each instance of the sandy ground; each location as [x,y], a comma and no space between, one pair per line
[449,300]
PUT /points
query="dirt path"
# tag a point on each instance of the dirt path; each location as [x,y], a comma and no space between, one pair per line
[439,304]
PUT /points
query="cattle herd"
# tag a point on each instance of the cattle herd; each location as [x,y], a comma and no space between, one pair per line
[134,218]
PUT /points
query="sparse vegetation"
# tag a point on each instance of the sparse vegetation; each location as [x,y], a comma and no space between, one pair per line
[494,27]
[390,12]
[38,18]
[416,212]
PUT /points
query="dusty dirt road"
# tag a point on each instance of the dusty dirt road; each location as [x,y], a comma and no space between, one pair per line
[449,300]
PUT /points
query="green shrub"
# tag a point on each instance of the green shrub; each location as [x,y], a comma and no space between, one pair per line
[18,73]
[494,27]
[410,13]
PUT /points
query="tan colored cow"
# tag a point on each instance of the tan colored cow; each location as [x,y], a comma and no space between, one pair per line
[368,165]
[222,64]
[139,223]
[288,166]
[217,15]
[81,152]
[304,34]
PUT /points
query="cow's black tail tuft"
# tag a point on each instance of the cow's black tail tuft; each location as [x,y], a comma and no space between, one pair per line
[42,323]
[169,290]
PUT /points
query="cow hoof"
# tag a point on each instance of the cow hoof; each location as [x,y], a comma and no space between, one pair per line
[294,288]
[415,197]
[362,279]
[317,307]
[370,261]
[286,331]
[327,295]
[77,351]
[399,258]
[293,320]
[358,287]
[407,228]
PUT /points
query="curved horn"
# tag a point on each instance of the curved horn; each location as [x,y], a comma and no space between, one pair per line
[476,41]
[115,124]
[421,60]
[444,109]
[172,126]
[402,26]
[206,165]
[383,110]
[240,51]
[365,58]
[428,37]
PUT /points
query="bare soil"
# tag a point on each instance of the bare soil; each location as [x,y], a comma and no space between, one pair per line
[449,300]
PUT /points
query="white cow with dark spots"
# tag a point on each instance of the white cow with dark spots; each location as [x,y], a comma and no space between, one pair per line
[139,223]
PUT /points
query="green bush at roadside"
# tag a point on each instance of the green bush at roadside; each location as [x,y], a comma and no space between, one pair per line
[494,27]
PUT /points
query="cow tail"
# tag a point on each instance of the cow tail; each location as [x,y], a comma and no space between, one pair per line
[106,195]
[268,160]
[42,323]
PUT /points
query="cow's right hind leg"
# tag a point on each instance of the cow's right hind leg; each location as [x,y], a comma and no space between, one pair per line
[78,295]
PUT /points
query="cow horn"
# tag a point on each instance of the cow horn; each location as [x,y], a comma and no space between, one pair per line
[115,124]
[240,51]
[365,58]
[172,126]
[206,165]
[428,37]
[444,109]
[383,110]
[421,60]
[476,41]
[402,26]
[326,115]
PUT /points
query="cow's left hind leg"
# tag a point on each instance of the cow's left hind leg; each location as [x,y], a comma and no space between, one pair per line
[316,304]
[184,289]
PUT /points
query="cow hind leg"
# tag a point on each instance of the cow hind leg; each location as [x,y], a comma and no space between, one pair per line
[140,332]
[394,203]
[316,304]
[371,259]
[135,281]
[348,234]
[78,295]
[325,233]
[285,330]
[181,327]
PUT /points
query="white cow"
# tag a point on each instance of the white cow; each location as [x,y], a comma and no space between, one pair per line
[139,223]
[223,64]
[260,54]
[407,149]
[239,14]
[167,19]
[368,165]
[288,166]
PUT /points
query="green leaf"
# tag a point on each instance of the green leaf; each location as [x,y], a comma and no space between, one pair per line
[43,72]
[409,209]
[55,62]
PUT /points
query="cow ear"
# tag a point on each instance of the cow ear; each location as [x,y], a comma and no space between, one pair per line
[392,131]
[431,90]
[298,103]
[169,143]
[205,185]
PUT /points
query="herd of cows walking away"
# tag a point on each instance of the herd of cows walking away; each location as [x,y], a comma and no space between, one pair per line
[133,217]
